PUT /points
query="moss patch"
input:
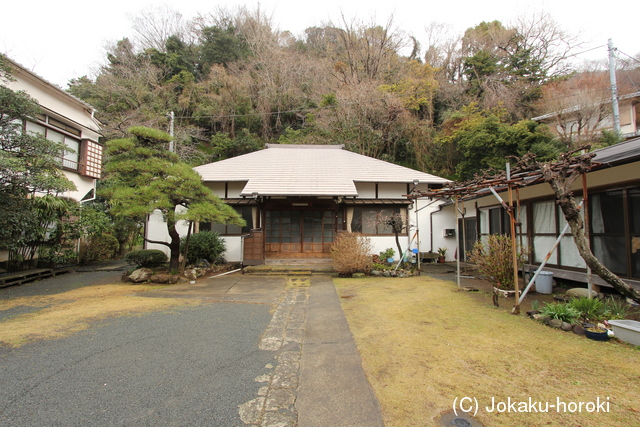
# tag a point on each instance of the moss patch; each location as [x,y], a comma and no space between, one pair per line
[59,315]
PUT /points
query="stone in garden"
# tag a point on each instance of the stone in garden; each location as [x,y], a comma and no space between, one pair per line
[566,326]
[191,274]
[581,292]
[141,275]
[386,273]
[376,273]
[358,275]
[578,330]
[555,323]
[203,263]
[160,278]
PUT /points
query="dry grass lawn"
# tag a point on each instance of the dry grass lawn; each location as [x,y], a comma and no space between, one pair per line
[65,313]
[424,344]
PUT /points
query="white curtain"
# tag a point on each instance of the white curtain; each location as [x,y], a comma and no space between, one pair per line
[254,216]
[349,217]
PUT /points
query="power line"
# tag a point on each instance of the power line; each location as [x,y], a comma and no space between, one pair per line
[629,56]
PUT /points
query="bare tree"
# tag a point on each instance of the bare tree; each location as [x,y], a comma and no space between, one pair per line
[153,25]
[578,108]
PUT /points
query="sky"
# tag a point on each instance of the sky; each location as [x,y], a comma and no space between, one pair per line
[65,39]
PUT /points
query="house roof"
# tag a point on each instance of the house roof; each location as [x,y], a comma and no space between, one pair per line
[622,152]
[575,108]
[308,170]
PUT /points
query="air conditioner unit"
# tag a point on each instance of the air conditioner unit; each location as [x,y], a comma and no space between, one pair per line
[449,232]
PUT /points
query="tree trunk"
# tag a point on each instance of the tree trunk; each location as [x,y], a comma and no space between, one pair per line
[174,246]
[561,187]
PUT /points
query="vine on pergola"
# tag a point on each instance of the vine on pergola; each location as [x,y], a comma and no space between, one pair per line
[561,175]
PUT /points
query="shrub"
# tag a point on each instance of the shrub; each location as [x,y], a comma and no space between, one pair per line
[204,245]
[57,256]
[589,308]
[495,261]
[99,247]
[387,253]
[148,258]
[351,253]
[614,309]
[560,310]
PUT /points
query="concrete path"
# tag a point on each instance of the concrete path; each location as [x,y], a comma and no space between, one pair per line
[261,351]
[333,388]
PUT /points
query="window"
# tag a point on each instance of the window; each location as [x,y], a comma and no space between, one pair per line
[608,231]
[232,230]
[372,219]
[71,155]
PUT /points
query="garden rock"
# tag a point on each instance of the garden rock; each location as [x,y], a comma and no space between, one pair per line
[203,263]
[194,273]
[555,323]
[578,330]
[377,273]
[566,326]
[141,275]
[160,278]
[386,273]
[358,275]
[581,292]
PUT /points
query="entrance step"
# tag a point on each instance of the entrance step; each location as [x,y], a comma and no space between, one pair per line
[289,269]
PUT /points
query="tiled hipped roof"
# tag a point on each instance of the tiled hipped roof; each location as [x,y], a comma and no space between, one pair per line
[308,170]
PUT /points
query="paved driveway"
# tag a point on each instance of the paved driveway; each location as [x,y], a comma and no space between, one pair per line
[188,366]
[258,351]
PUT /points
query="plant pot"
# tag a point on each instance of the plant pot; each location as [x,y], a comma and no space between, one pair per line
[390,260]
[441,259]
[597,334]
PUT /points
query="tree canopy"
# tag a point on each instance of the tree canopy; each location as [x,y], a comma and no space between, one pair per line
[233,78]
[144,176]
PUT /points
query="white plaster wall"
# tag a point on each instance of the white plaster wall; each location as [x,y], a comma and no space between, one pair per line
[216,187]
[54,99]
[388,190]
[441,220]
[235,188]
[157,230]
[84,184]
[234,248]
[381,243]
[366,190]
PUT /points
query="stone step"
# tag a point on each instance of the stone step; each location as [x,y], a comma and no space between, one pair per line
[288,270]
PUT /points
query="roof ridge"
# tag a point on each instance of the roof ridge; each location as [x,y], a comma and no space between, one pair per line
[307,146]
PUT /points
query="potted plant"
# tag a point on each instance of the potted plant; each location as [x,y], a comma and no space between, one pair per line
[441,254]
[388,254]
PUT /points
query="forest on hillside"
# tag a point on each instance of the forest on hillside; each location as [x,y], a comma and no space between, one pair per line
[448,104]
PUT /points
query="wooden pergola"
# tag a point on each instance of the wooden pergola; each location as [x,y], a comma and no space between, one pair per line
[526,172]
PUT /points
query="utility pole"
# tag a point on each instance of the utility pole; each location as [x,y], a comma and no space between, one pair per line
[172,117]
[614,88]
